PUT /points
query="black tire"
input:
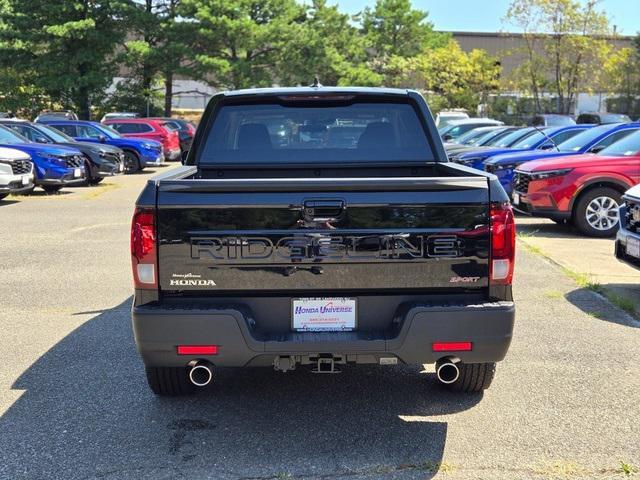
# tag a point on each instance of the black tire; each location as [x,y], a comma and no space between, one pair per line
[169,380]
[559,221]
[586,201]
[95,180]
[474,377]
[3,195]
[51,189]
[131,162]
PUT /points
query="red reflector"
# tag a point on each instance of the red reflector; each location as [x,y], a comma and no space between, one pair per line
[451,346]
[197,349]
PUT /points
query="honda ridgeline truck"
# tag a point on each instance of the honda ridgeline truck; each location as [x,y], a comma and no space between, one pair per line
[320,227]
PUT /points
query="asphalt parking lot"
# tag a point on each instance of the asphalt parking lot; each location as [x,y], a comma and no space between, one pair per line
[74,403]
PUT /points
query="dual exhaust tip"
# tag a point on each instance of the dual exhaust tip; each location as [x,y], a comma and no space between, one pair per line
[200,373]
[447,370]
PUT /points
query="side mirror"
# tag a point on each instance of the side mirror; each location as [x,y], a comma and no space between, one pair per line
[447,138]
[597,149]
[42,140]
[547,146]
[183,158]
[102,138]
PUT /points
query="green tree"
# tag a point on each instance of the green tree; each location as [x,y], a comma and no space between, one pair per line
[240,42]
[66,44]
[622,77]
[326,45]
[451,77]
[569,55]
[393,28]
[158,47]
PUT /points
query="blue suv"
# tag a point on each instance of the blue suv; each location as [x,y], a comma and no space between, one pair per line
[137,153]
[54,166]
[543,139]
[592,140]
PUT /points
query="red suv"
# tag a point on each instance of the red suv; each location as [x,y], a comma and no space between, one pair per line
[585,190]
[158,130]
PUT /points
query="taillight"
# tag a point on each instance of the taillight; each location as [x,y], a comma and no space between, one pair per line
[503,244]
[143,249]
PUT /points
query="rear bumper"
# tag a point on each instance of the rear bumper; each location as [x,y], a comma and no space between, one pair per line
[159,329]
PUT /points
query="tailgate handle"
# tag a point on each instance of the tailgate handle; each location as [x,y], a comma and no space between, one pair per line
[315,210]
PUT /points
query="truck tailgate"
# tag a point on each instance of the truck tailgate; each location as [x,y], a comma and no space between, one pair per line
[330,234]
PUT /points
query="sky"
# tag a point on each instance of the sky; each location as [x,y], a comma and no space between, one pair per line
[486,15]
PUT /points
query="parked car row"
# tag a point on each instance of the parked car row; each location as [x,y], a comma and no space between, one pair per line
[575,173]
[60,150]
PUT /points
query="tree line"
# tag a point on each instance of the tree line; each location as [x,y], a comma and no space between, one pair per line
[67,53]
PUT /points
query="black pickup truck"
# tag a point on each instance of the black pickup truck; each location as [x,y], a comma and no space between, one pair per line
[320,227]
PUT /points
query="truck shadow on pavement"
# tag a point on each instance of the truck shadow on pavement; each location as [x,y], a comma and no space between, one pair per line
[86,412]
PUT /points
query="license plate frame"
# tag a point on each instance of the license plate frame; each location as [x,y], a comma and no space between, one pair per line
[25,180]
[633,247]
[515,199]
[340,314]
[77,173]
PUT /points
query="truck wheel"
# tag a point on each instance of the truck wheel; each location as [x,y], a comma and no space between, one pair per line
[596,212]
[95,180]
[51,189]
[169,380]
[131,162]
[474,377]
[3,195]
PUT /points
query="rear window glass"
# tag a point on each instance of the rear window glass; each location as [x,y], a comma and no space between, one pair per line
[330,133]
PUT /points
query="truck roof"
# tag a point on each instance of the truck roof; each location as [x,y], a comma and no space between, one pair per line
[316,91]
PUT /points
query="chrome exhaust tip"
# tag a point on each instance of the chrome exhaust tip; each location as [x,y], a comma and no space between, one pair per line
[200,373]
[447,371]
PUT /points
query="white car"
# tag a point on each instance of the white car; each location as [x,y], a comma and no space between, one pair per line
[16,172]
[119,116]
[447,116]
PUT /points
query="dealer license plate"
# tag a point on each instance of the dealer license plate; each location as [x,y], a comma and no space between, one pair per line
[633,247]
[516,199]
[25,180]
[77,173]
[324,314]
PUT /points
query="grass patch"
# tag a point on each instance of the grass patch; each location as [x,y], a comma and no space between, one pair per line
[562,469]
[521,234]
[95,192]
[627,469]
[435,467]
[595,314]
[582,280]
[552,294]
[623,303]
